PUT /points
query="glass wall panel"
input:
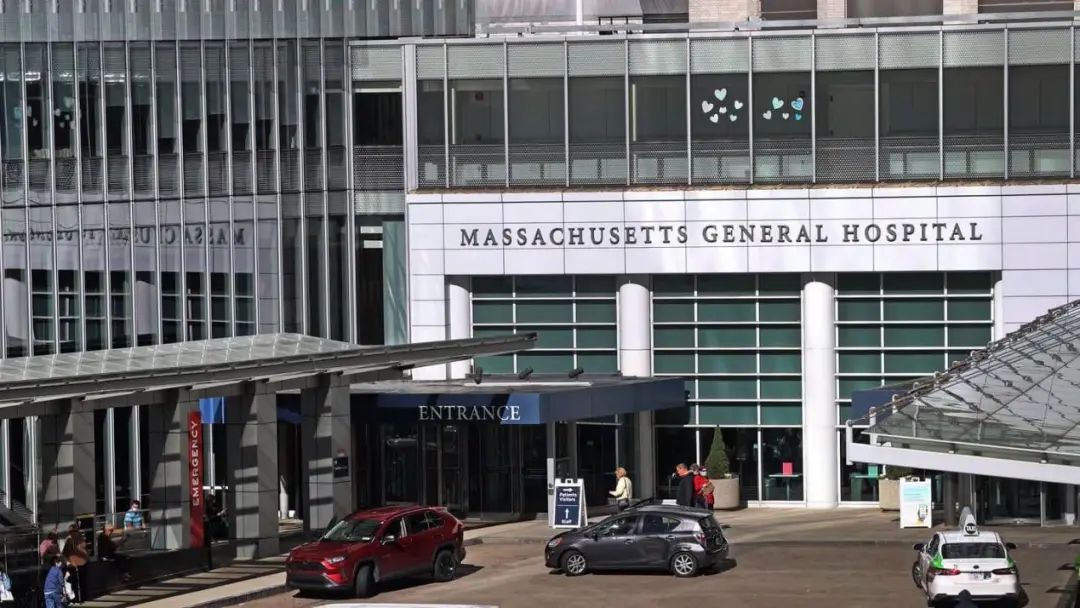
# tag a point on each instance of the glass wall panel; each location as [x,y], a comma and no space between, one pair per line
[781,464]
[292,259]
[167,128]
[171,263]
[43,305]
[116,121]
[1039,120]
[720,128]
[431,135]
[315,256]
[265,167]
[16,283]
[144,239]
[782,116]
[313,141]
[191,118]
[240,116]
[658,129]
[597,130]
[267,260]
[217,129]
[243,244]
[120,279]
[909,145]
[674,446]
[90,135]
[377,138]
[142,119]
[288,116]
[537,132]
[218,240]
[94,276]
[11,125]
[62,115]
[69,309]
[845,126]
[338,235]
[37,122]
[195,288]
[974,127]
[476,133]
[335,102]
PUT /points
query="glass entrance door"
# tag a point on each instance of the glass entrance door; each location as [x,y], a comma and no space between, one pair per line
[1009,500]
[453,469]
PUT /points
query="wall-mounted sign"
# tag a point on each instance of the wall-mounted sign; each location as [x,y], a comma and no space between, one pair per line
[341,465]
[195,477]
[467,413]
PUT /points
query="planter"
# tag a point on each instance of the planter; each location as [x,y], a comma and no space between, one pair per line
[726,493]
[889,494]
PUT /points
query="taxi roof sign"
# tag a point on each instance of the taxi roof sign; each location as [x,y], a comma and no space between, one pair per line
[967,522]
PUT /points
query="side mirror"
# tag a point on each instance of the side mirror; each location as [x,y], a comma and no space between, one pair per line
[594,535]
[1010,546]
[389,539]
[918,547]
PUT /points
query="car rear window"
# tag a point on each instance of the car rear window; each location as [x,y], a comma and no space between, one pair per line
[972,551]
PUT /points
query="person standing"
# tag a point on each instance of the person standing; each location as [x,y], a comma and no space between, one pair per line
[684,495]
[6,595]
[49,547]
[133,518]
[707,488]
[623,491]
[76,555]
[54,583]
[699,483]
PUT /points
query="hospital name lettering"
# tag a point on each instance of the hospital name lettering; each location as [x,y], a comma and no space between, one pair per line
[454,413]
[213,236]
[679,234]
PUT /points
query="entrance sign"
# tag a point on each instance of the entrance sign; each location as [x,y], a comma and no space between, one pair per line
[569,508]
[915,503]
[195,477]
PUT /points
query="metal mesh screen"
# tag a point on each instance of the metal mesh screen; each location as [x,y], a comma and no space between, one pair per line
[376,62]
[66,169]
[722,161]
[847,52]
[313,177]
[475,60]
[477,165]
[12,181]
[537,164]
[782,159]
[40,191]
[915,50]
[974,155]
[536,60]
[431,166]
[719,56]
[904,158]
[193,175]
[117,174]
[265,172]
[92,175]
[597,163]
[1039,46]
[596,58]
[336,175]
[654,57]
[1039,154]
[290,174]
[658,163]
[143,171]
[781,54]
[378,168]
[217,173]
[429,61]
[973,49]
[845,159]
[168,175]
[241,172]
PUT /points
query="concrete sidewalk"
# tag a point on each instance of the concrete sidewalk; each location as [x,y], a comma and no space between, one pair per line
[244,581]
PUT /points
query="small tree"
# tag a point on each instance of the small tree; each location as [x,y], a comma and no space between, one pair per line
[717,461]
[894,473]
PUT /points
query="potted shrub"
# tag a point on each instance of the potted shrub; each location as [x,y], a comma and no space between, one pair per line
[889,487]
[725,485]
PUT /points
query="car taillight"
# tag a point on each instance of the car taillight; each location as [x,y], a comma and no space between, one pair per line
[701,539]
[1005,571]
[944,572]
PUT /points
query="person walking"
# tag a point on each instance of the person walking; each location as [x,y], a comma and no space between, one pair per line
[699,483]
[49,547]
[707,489]
[54,583]
[76,555]
[6,596]
[623,491]
[684,495]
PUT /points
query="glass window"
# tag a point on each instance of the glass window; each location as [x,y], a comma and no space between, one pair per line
[974,122]
[845,126]
[864,9]
[653,523]
[476,132]
[288,115]
[354,531]
[658,129]
[537,124]
[267,253]
[622,526]
[167,129]
[597,130]
[1038,120]
[742,449]
[972,551]
[312,113]
[217,129]
[720,129]
[431,135]
[416,523]
[1017,6]
[334,70]
[63,116]
[782,464]
[787,10]
[909,124]
[116,147]
[728,414]
[782,126]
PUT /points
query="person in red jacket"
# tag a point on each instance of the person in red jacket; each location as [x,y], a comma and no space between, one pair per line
[699,482]
[706,489]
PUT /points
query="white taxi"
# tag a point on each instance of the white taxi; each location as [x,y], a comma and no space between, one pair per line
[970,559]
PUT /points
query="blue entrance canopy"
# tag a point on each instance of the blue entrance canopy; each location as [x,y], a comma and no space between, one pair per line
[512,401]
[862,401]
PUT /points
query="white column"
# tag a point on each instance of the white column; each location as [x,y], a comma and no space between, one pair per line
[459,318]
[635,359]
[999,309]
[819,390]
[1069,511]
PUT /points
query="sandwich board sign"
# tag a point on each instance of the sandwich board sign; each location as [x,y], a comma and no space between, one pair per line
[915,503]
[569,510]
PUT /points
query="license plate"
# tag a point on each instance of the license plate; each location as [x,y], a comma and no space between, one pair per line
[978,576]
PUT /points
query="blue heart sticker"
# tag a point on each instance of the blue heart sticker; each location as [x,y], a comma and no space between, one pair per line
[798,116]
[797,105]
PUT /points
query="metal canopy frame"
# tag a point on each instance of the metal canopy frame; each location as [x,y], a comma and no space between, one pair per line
[1009,410]
[31,383]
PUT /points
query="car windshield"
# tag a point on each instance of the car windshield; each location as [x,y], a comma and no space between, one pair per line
[972,551]
[352,531]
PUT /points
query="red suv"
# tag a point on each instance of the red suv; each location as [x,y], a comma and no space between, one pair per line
[376,545]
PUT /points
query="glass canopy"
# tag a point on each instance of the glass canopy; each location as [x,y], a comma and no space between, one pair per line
[1020,395]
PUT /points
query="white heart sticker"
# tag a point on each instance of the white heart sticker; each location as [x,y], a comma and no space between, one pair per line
[715,118]
[733,118]
[767,115]
[706,107]
[738,104]
[720,94]
[722,109]
[777,103]
[786,115]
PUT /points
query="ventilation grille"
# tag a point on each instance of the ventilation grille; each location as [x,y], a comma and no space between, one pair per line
[536,60]
[379,63]
[722,56]
[844,53]
[917,50]
[782,54]
[475,60]
[657,57]
[596,59]
[973,49]
[1035,47]
[429,62]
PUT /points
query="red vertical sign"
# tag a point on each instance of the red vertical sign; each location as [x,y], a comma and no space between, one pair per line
[195,476]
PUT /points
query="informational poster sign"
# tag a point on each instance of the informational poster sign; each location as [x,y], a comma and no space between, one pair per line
[195,477]
[569,505]
[916,504]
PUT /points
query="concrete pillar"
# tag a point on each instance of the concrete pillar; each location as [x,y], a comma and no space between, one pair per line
[830,10]
[635,359]
[960,7]
[820,465]
[170,488]
[1068,510]
[326,435]
[251,430]
[67,466]
[722,11]
[459,318]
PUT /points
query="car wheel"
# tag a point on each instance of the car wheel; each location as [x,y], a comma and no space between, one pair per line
[362,583]
[445,566]
[915,575]
[574,564]
[684,564]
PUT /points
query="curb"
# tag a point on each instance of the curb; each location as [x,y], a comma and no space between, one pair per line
[240,598]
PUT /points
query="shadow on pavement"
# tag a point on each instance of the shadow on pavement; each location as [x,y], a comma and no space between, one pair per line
[393,585]
[724,566]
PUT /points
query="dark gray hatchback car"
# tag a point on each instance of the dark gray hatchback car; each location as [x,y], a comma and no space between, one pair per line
[650,537]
